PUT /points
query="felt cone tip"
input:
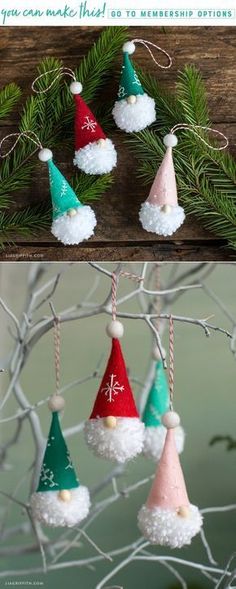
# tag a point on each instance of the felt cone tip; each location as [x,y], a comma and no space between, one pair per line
[168,490]
[164,190]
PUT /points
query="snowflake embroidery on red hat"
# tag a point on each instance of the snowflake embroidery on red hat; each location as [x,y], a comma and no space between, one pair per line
[89,124]
[112,387]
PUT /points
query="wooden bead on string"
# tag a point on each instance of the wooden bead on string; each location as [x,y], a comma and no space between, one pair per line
[170,419]
[115,329]
[56,403]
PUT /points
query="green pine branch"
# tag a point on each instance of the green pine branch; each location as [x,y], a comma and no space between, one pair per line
[91,188]
[31,220]
[50,115]
[206,178]
[28,221]
[9,96]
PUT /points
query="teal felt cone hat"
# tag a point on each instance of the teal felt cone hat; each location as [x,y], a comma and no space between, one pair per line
[130,84]
[57,472]
[62,194]
[158,398]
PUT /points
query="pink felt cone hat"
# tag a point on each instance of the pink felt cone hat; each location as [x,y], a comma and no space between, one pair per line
[168,490]
[164,190]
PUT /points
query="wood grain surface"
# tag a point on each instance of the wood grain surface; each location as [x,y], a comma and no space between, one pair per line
[119,235]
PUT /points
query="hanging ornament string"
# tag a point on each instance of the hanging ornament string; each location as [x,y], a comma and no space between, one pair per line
[192,128]
[59,73]
[57,347]
[147,45]
[171,361]
[30,135]
[114,284]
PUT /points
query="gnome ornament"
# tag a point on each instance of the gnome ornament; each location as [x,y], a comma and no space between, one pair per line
[60,500]
[161,213]
[168,518]
[157,404]
[114,429]
[94,152]
[134,110]
[72,222]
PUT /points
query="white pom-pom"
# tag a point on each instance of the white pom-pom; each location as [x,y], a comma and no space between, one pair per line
[128,47]
[167,528]
[73,230]
[154,440]
[170,140]
[56,403]
[120,444]
[49,509]
[115,329]
[45,154]
[155,220]
[76,88]
[96,157]
[134,117]
[170,419]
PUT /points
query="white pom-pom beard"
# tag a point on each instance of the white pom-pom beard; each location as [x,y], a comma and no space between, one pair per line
[154,439]
[120,444]
[95,158]
[153,219]
[49,509]
[134,117]
[73,230]
[167,528]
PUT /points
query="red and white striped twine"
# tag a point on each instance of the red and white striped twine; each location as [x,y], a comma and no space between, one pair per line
[171,361]
[114,284]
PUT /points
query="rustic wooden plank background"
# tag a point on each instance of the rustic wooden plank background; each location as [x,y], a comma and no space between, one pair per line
[119,234]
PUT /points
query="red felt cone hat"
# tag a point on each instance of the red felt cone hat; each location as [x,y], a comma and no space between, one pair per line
[87,129]
[115,396]
[168,490]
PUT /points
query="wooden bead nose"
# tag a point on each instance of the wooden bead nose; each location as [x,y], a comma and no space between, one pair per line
[64,495]
[131,99]
[183,511]
[110,422]
[101,142]
[166,209]
[71,212]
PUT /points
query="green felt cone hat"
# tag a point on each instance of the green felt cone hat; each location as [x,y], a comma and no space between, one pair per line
[130,84]
[158,398]
[57,472]
[62,195]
